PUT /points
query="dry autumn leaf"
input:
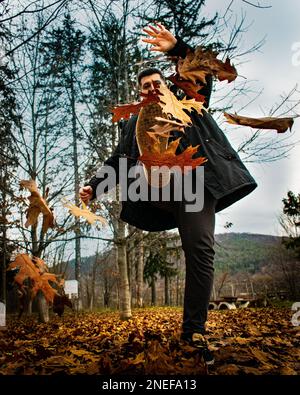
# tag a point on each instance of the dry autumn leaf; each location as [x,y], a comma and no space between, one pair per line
[170,122]
[146,120]
[189,88]
[170,159]
[191,73]
[201,62]
[174,107]
[37,206]
[155,153]
[279,124]
[165,129]
[94,343]
[37,273]
[84,212]
[126,110]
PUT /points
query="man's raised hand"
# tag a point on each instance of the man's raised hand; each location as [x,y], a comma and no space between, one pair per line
[86,194]
[162,41]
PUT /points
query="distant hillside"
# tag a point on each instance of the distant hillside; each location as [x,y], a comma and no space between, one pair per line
[86,266]
[234,252]
[243,251]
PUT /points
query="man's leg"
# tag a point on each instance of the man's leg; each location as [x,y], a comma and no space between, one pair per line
[197,236]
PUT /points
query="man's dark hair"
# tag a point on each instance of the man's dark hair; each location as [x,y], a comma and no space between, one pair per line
[149,71]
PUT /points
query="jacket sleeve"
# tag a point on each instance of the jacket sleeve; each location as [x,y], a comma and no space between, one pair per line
[181,49]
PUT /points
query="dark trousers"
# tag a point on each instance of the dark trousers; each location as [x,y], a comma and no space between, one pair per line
[196,231]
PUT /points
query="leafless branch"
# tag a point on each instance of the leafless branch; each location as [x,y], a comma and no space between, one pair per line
[256,5]
[52,17]
[27,11]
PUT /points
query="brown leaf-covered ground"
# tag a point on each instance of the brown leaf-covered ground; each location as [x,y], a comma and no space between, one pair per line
[245,342]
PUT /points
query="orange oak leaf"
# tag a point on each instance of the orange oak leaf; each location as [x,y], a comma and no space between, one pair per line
[37,206]
[36,270]
[201,62]
[84,212]
[174,107]
[166,128]
[169,158]
[170,122]
[279,124]
[192,73]
[126,110]
[188,87]
[148,118]
[226,71]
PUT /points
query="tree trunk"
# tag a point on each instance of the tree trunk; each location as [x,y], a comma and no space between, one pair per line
[167,293]
[43,308]
[153,292]
[140,270]
[124,293]
[76,190]
[3,265]
[29,307]
[106,299]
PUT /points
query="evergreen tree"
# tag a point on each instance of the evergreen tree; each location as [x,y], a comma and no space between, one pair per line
[115,54]
[291,224]
[63,52]
[8,161]
[182,17]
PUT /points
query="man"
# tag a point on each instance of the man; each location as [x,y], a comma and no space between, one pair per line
[226,180]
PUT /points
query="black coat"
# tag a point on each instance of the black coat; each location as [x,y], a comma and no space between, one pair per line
[225,175]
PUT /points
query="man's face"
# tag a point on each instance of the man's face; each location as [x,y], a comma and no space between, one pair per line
[150,82]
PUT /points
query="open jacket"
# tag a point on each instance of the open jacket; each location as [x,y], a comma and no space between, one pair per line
[225,176]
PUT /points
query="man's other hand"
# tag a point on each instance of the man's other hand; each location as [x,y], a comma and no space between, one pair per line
[86,194]
[162,41]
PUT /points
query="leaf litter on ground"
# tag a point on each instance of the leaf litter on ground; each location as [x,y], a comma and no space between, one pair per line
[251,341]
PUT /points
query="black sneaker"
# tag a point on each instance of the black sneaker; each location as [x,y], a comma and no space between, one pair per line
[198,341]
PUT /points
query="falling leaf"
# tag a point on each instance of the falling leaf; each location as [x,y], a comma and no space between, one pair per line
[169,158]
[226,71]
[174,107]
[189,88]
[202,62]
[161,131]
[37,206]
[37,273]
[147,119]
[279,124]
[27,269]
[191,73]
[84,212]
[165,130]
[155,151]
[192,104]
[170,122]
[126,110]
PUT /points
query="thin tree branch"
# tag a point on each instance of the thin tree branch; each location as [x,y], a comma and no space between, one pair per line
[256,5]
[48,21]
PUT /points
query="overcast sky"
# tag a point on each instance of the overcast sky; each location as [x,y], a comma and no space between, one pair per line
[270,69]
[273,70]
